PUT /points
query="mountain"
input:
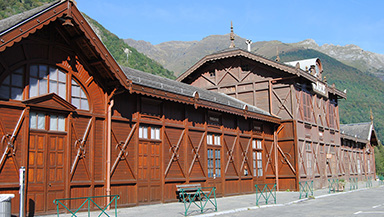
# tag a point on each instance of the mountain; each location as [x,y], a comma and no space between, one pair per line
[178,56]
[352,55]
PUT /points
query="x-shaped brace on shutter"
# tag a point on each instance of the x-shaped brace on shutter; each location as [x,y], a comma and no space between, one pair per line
[302,159]
[269,160]
[175,156]
[9,140]
[315,158]
[230,154]
[123,153]
[196,157]
[80,145]
[245,153]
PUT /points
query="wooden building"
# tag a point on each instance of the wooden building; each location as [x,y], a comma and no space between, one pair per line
[309,140]
[357,159]
[84,126]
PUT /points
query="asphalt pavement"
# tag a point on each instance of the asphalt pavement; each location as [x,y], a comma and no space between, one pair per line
[322,203]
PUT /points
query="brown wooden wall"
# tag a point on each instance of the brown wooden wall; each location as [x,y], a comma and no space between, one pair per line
[310,126]
[181,150]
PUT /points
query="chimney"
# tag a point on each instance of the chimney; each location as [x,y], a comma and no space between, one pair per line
[248,42]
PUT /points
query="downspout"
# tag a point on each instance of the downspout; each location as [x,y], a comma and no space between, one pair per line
[276,159]
[109,143]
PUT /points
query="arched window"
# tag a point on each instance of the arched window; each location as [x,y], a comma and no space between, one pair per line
[79,99]
[12,86]
[46,79]
[43,79]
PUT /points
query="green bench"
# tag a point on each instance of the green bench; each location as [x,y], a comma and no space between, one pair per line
[195,194]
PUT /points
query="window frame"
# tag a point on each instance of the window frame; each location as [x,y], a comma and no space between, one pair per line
[306,105]
[214,155]
[257,158]
[46,120]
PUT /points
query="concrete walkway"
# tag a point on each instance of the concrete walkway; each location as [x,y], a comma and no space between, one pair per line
[226,205]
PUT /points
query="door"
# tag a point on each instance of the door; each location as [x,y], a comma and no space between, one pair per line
[214,162]
[45,171]
[214,169]
[149,181]
[55,169]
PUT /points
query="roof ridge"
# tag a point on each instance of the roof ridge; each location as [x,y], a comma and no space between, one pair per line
[16,19]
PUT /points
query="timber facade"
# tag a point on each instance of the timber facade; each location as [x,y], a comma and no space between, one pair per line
[84,126]
[309,144]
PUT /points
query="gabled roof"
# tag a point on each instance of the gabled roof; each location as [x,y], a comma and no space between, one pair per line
[51,101]
[73,26]
[185,93]
[236,52]
[359,131]
[11,22]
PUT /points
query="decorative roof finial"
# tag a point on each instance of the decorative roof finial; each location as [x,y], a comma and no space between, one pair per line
[277,54]
[232,37]
[371,116]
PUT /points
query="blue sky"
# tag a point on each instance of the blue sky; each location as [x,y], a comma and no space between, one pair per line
[338,22]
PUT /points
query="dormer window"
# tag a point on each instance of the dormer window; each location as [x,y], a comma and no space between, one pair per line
[212,73]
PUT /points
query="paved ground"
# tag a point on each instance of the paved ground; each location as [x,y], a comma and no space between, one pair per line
[361,202]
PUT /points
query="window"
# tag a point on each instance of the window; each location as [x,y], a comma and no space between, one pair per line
[214,163]
[155,133]
[213,139]
[331,113]
[217,163]
[57,122]
[259,164]
[79,99]
[45,79]
[143,132]
[257,158]
[12,86]
[37,120]
[42,79]
[210,162]
[149,132]
[307,105]
[214,155]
